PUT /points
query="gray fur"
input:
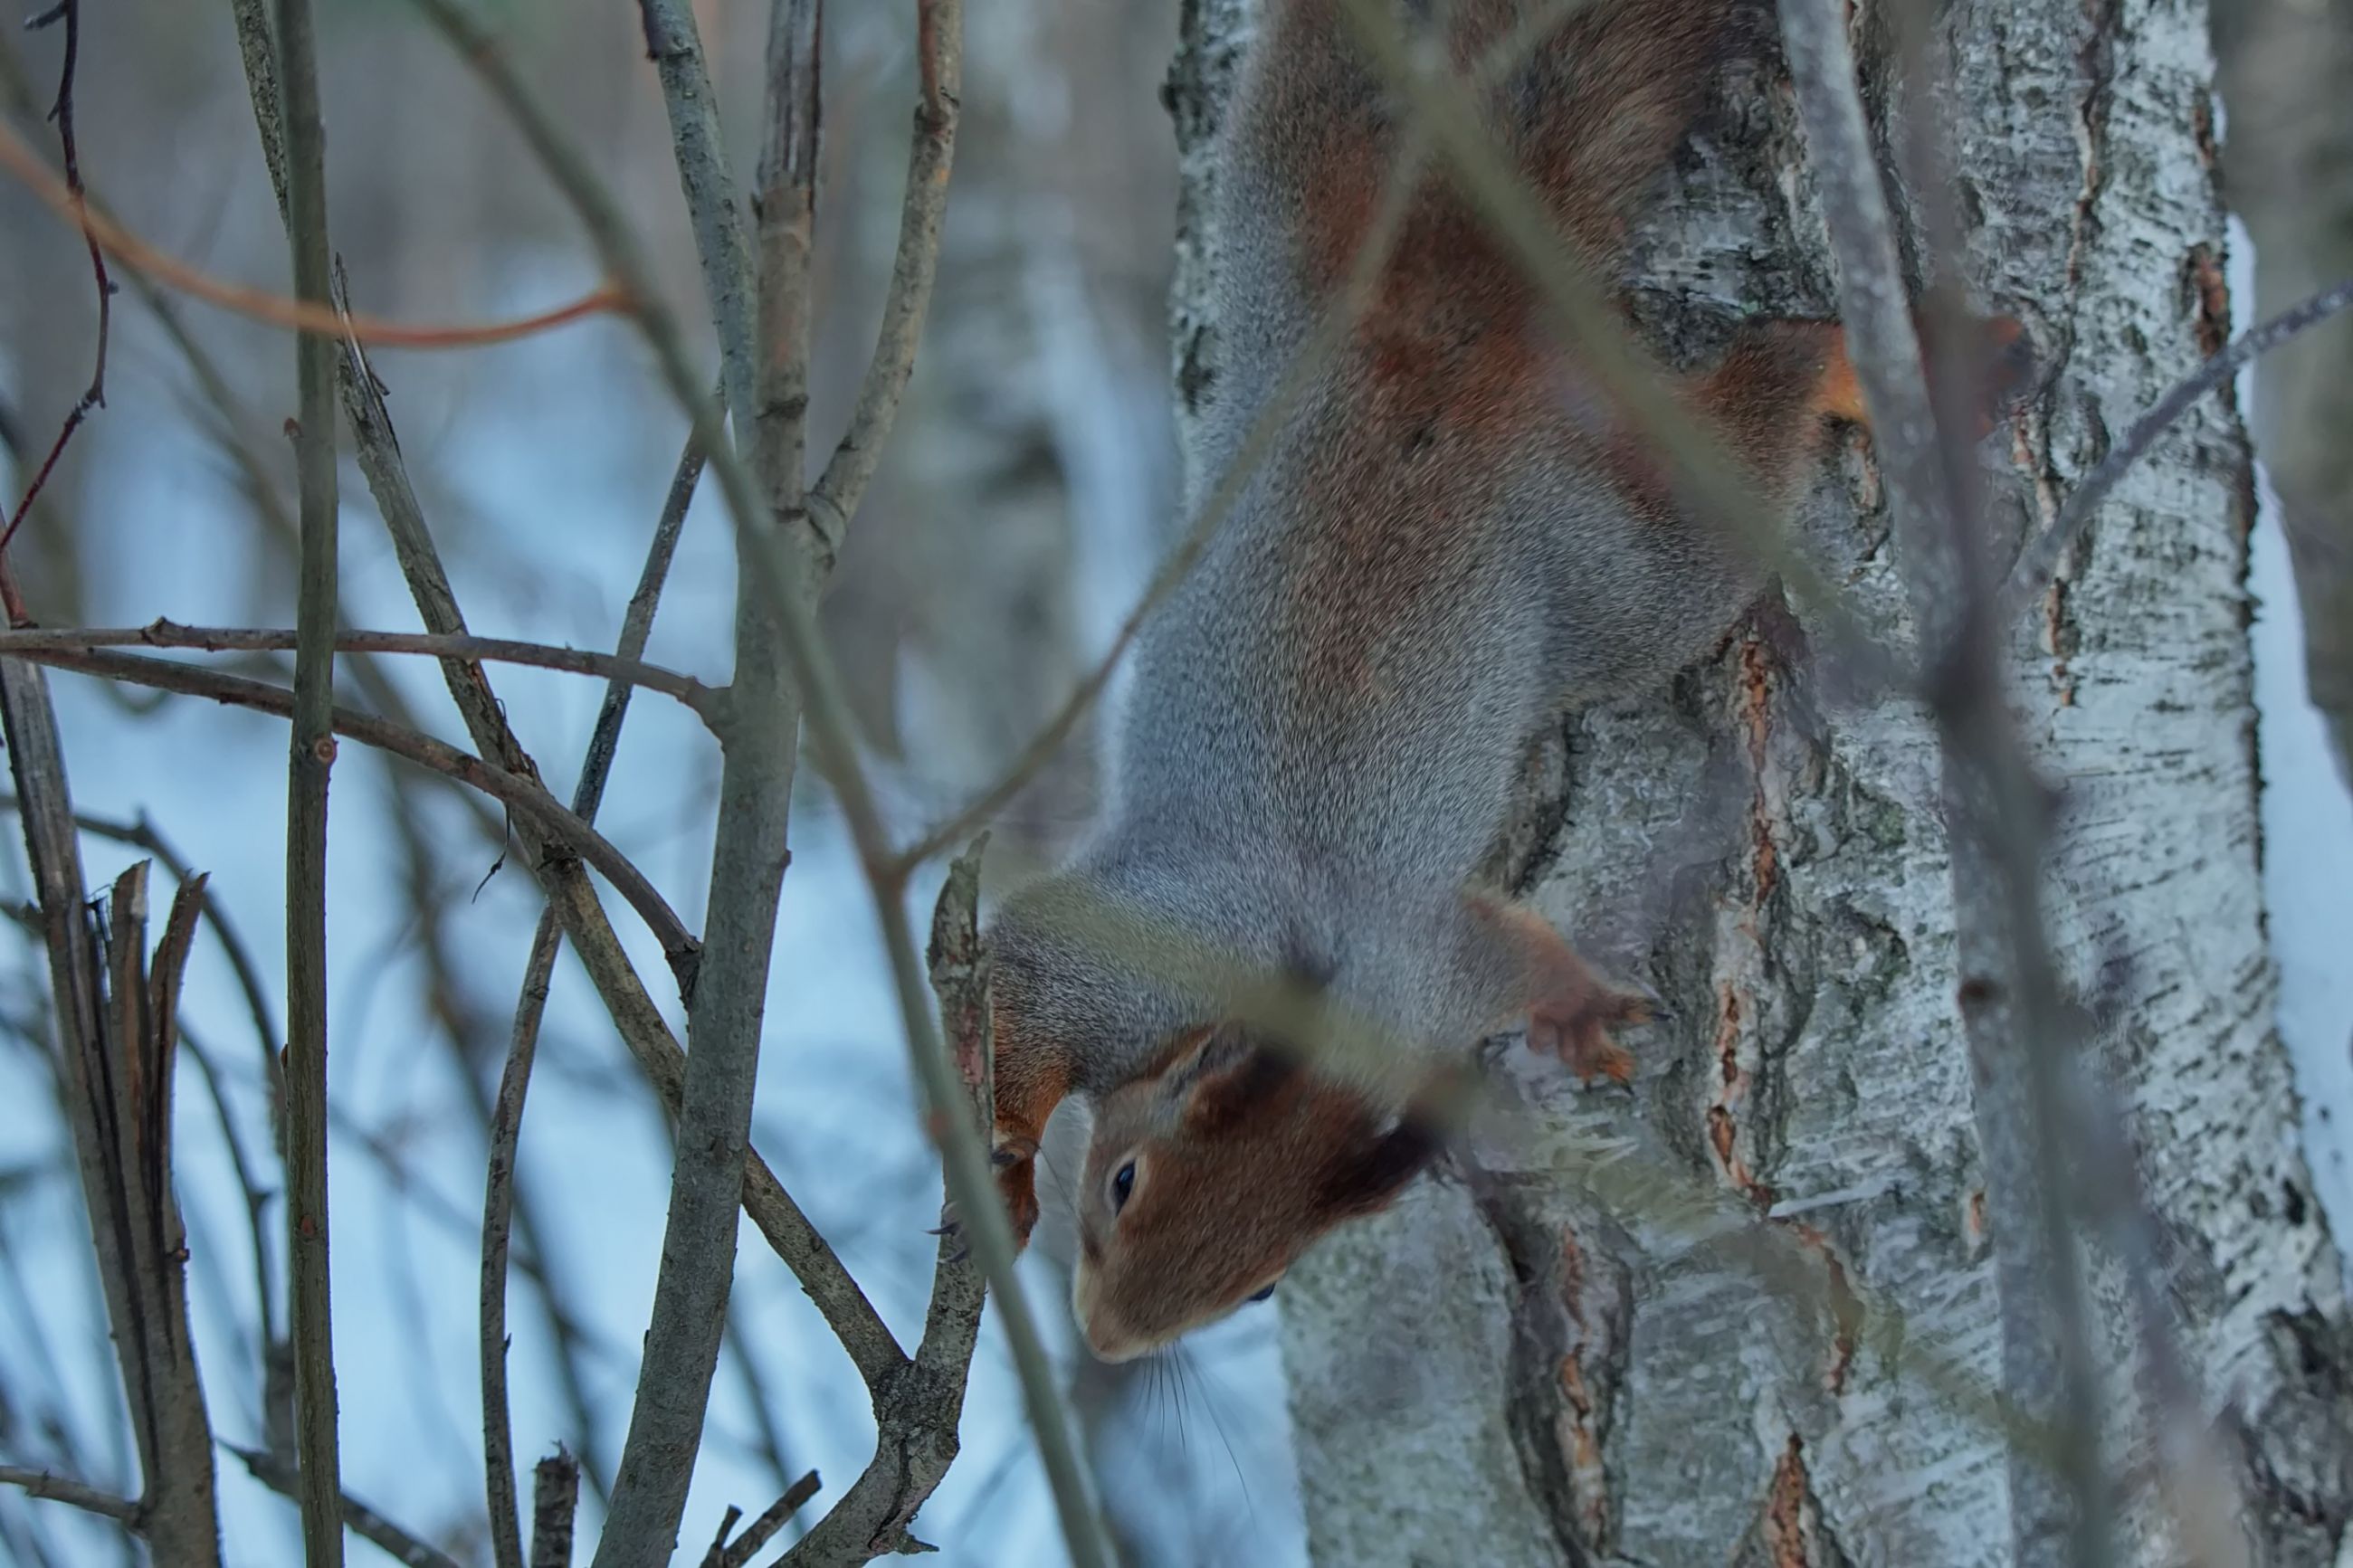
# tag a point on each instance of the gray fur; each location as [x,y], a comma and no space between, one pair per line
[1301,830]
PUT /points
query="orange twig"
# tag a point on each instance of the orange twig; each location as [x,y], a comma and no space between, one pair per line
[277,309]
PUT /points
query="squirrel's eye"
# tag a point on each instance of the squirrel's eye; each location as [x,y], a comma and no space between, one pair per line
[1263,1295]
[1123,1182]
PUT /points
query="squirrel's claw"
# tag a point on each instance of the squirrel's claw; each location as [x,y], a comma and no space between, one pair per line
[956,1246]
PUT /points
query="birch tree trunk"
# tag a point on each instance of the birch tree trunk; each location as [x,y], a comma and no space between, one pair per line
[1761,1331]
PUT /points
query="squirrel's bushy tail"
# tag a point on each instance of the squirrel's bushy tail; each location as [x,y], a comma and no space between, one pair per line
[1587,107]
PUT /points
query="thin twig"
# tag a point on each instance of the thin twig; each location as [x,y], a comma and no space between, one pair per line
[257,1205]
[2030,579]
[527,796]
[115,1082]
[930,154]
[143,835]
[310,761]
[2009,999]
[531,1007]
[498,1189]
[832,731]
[295,314]
[724,1553]
[674,44]
[55,1488]
[76,207]
[404,1546]
[915,1428]
[163,633]
[749,854]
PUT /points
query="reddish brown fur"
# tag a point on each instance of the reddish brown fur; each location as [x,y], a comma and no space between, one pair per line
[1256,1157]
[1450,365]
[1033,1077]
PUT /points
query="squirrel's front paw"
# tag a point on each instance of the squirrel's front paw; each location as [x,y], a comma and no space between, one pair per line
[1015,1164]
[1576,1028]
[1016,1161]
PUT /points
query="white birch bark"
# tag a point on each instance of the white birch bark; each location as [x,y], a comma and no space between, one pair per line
[1738,1343]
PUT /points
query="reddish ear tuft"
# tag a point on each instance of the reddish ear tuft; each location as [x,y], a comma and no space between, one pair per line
[1371,1179]
[1233,1077]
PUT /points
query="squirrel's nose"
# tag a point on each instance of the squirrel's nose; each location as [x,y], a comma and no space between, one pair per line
[1111,1346]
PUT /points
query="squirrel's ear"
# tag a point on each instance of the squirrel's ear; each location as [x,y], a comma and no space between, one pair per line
[1220,1079]
[1373,1177]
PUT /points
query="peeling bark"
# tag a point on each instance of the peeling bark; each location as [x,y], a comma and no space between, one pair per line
[1751,1333]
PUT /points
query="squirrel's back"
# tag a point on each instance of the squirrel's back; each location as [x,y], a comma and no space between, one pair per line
[1586,109]
[1435,550]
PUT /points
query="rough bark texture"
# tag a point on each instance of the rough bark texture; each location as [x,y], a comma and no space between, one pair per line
[2289,169]
[1740,1339]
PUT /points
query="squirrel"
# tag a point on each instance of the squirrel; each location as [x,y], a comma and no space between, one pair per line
[1452,540]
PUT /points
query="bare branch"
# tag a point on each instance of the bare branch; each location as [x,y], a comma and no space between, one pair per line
[143,835]
[573,896]
[939,63]
[724,1553]
[749,855]
[498,1193]
[73,1493]
[162,632]
[556,1498]
[300,315]
[2009,1000]
[675,46]
[514,1079]
[833,735]
[311,759]
[363,1521]
[75,206]
[917,1418]
[2030,579]
[526,795]
[116,1079]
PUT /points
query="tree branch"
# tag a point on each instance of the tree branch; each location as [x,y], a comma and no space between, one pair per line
[71,1492]
[514,1078]
[163,633]
[529,798]
[675,46]
[556,1498]
[311,759]
[75,206]
[314,316]
[2029,578]
[832,734]
[725,1554]
[114,1078]
[749,855]
[930,154]
[917,1418]
[2009,1000]
[351,1513]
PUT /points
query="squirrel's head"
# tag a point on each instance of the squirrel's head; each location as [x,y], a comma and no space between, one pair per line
[1207,1178]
